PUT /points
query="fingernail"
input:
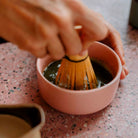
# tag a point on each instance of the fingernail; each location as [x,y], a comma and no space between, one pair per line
[83,53]
[122,76]
[126,70]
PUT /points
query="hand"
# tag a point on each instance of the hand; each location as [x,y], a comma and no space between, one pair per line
[47,27]
[113,40]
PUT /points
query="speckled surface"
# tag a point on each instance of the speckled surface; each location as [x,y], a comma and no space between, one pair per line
[18,84]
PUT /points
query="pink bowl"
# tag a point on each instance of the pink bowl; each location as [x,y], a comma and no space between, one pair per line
[82,101]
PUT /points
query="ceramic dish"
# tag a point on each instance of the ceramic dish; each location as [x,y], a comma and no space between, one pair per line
[82,101]
[21,121]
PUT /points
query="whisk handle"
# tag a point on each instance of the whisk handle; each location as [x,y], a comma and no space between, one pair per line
[77,58]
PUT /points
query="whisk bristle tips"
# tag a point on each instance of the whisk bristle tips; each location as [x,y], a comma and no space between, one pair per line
[76,75]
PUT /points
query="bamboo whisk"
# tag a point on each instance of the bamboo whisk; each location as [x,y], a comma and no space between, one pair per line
[76,72]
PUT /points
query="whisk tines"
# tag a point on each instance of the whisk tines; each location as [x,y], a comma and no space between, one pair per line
[76,72]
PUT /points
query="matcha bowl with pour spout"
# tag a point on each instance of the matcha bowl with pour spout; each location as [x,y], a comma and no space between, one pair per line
[21,121]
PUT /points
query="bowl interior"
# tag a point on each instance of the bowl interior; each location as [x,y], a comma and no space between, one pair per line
[106,57]
[100,52]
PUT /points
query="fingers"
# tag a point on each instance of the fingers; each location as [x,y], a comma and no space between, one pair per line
[116,43]
[113,39]
[66,32]
[61,37]
[55,48]
[39,26]
[123,75]
[41,52]
[124,72]
[93,26]
[71,41]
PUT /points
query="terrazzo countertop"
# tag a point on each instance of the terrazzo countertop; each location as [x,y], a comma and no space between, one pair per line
[18,84]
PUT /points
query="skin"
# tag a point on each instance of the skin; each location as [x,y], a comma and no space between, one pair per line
[47,27]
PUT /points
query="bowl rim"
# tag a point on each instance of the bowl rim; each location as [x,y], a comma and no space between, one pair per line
[84,91]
